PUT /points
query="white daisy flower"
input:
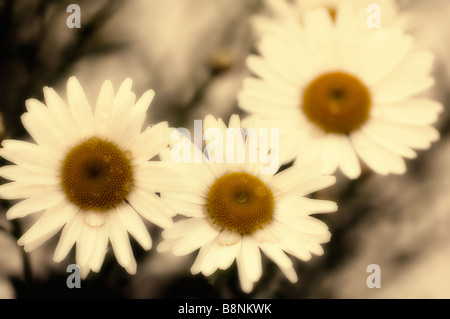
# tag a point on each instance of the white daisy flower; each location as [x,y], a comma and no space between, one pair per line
[235,212]
[338,94]
[369,13]
[89,172]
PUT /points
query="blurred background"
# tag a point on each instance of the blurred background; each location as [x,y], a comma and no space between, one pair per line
[192,53]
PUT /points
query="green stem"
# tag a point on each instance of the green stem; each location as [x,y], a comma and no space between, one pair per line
[3,229]
[27,272]
[183,113]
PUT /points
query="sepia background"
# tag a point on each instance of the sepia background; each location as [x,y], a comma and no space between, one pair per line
[192,53]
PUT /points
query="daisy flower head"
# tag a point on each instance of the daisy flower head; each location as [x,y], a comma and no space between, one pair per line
[234,211]
[342,95]
[89,172]
[369,13]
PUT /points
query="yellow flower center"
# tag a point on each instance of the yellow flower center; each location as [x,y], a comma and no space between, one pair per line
[337,102]
[332,12]
[96,175]
[240,202]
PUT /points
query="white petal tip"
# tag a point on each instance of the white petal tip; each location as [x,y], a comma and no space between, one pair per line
[353,176]
[160,249]
[11,216]
[332,180]
[195,271]
[84,272]
[147,245]
[331,207]
[247,290]
[131,269]
[58,259]
[96,269]
[27,249]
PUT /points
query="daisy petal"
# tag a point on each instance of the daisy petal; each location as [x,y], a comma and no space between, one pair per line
[85,245]
[100,249]
[16,190]
[289,179]
[35,204]
[119,240]
[151,208]
[252,261]
[69,235]
[297,249]
[138,117]
[410,112]
[21,174]
[28,154]
[150,142]
[410,77]
[42,134]
[227,255]
[349,162]
[386,140]
[246,283]
[50,221]
[279,257]
[200,259]
[29,247]
[210,263]
[103,108]
[376,157]
[202,236]
[79,106]
[61,116]
[135,226]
